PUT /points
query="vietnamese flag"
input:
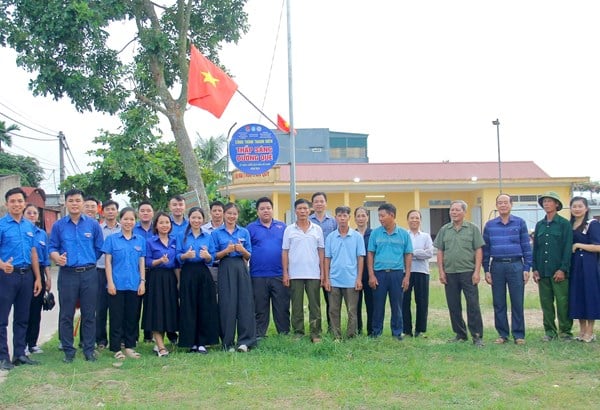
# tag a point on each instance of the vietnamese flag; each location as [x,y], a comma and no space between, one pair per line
[209,87]
[284,125]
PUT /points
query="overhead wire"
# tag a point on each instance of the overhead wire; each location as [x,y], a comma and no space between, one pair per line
[27,119]
[26,126]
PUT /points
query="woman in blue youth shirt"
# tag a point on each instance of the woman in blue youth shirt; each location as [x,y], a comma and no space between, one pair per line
[236,300]
[162,314]
[199,314]
[125,283]
[35,309]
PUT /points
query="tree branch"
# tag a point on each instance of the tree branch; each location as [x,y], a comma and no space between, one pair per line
[142,98]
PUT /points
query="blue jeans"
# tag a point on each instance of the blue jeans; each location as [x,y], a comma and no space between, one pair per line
[390,283]
[508,275]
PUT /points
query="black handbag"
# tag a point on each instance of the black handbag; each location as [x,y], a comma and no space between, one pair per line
[49,302]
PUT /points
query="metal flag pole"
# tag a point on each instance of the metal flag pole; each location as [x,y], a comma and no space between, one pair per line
[291,108]
[497,124]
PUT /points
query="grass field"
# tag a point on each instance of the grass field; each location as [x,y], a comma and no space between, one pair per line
[284,372]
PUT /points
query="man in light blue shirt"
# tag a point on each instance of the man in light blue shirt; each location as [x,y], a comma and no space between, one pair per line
[389,260]
[344,259]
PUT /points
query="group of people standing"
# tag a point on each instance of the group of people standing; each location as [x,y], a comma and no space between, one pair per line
[202,283]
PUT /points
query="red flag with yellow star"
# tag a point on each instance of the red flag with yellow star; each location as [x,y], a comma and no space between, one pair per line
[209,87]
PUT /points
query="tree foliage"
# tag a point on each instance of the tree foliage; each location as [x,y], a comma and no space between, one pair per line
[27,167]
[134,162]
[68,45]
[5,136]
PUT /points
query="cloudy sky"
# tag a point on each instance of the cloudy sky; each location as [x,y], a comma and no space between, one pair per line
[424,80]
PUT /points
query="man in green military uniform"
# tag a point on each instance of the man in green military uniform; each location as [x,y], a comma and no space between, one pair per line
[552,244]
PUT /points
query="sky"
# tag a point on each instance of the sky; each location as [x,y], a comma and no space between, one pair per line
[424,79]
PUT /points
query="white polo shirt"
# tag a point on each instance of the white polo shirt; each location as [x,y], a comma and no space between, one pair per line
[303,254]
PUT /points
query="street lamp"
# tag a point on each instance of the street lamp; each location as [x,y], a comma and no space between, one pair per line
[497,124]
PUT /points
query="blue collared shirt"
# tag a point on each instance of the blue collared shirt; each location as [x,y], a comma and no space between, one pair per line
[343,252]
[185,242]
[16,240]
[82,241]
[125,262]
[506,241]
[106,232]
[328,224]
[40,239]
[178,229]
[155,249]
[221,238]
[139,230]
[266,248]
[389,249]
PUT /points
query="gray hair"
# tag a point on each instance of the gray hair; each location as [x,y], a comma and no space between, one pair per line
[462,203]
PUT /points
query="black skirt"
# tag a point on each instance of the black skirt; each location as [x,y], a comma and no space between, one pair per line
[199,320]
[161,313]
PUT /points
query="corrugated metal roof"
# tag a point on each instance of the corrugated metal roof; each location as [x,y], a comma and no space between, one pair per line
[418,171]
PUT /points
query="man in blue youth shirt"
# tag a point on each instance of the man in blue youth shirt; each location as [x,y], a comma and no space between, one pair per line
[507,245]
[178,221]
[266,237]
[19,277]
[389,260]
[75,245]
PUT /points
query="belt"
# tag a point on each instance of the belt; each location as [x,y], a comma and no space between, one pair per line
[78,269]
[22,269]
[507,260]
[390,270]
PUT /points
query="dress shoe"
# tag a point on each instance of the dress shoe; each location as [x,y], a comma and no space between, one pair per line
[68,359]
[24,360]
[90,358]
[6,365]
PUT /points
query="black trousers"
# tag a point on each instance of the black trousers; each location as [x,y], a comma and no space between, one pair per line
[124,319]
[101,309]
[419,284]
[365,294]
[457,283]
[270,293]
[35,314]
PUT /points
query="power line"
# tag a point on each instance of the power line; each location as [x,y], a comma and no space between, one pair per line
[25,118]
[31,138]
[53,165]
[25,125]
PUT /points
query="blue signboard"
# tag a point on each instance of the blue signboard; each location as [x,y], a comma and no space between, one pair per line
[254,149]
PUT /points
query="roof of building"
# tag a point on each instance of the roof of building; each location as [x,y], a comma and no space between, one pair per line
[29,190]
[417,171]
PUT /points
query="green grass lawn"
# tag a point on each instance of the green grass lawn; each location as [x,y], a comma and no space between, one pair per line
[284,372]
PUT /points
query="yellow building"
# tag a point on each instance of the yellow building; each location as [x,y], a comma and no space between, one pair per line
[428,187]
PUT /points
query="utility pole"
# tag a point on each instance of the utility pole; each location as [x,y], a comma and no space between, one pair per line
[61,157]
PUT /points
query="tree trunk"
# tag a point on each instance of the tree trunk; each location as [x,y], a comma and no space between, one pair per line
[188,157]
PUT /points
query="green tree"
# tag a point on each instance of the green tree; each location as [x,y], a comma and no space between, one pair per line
[66,43]
[213,163]
[5,131]
[27,167]
[593,187]
[134,162]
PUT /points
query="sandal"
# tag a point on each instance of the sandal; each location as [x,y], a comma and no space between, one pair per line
[132,354]
[162,352]
[119,355]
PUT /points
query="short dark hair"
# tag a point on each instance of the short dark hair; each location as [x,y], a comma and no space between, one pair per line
[217,203]
[262,200]
[14,191]
[413,210]
[145,202]
[301,201]
[312,198]
[109,203]
[389,208]
[343,210]
[91,198]
[125,210]
[74,192]
[196,209]
[178,198]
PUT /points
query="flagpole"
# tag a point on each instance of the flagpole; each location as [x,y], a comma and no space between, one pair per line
[291,108]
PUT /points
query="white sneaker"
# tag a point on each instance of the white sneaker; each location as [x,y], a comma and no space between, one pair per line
[242,349]
[27,353]
[202,350]
[36,350]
